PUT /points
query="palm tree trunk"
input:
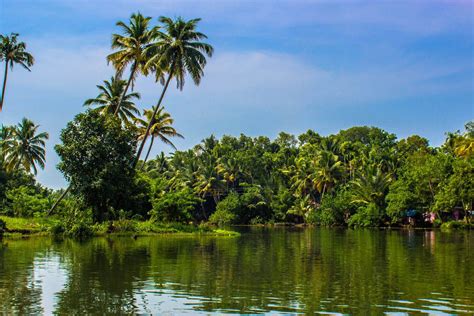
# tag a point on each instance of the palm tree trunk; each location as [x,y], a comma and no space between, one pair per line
[58,200]
[149,149]
[4,84]
[152,118]
[132,73]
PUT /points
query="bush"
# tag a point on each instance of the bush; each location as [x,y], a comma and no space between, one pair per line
[80,231]
[226,210]
[26,202]
[171,205]
[366,216]
[332,210]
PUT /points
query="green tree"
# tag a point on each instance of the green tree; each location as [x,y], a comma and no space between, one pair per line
[131,49]
[96,155]
[177,52]
[161,127]
[107,102]
[24,147]
[13,52]
[458,189]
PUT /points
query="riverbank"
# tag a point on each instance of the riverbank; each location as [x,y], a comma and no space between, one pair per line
[44,226]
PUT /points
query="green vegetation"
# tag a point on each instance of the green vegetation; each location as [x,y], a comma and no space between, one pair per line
[362,176]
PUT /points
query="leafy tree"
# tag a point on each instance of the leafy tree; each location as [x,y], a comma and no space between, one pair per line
[96,155]
[458,189]
[13,52]
[420,179]
[172,204]
[226,210]
[25,201]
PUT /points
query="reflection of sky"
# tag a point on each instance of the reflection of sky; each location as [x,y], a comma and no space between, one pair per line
[405,66]
[49,274]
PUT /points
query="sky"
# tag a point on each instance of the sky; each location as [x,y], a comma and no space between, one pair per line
[404,66]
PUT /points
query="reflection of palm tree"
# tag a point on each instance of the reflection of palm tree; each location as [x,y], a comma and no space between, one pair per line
[160,128]
[24,147]
[13,52]
[107,101]
[177,52]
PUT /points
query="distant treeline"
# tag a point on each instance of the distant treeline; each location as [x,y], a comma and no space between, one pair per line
[362,176]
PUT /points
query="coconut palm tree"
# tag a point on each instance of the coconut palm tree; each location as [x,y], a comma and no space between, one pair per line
[327,172]
[161,127]
[178,51]
[24,147]
[107,101]
[131,48]
[13,52]
[370,186]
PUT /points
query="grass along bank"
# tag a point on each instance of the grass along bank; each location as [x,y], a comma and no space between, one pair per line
[37,226]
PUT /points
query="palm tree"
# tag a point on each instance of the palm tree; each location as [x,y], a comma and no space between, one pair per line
[13,52]
[327,172]
[131,48]
[371,186]
[177,52]
[24,147]
[161,127]
[108,100]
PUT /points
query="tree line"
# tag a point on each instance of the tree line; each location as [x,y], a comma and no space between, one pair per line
[362,176]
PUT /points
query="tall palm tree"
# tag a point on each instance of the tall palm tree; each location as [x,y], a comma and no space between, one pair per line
[161,127]
[24,147]
[109,97]
[131,48]
[13,52]
[178,51]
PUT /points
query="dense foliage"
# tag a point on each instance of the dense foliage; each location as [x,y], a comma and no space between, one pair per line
[362,176]
[95,158]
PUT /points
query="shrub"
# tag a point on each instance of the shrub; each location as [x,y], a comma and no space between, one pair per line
[226,210]
[366,216]
[80,231]
[171,205]
[332,210]
[26,202]
[222,217]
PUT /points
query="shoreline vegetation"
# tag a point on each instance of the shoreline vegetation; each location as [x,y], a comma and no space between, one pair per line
[30,227]
[35,227]
[363,176]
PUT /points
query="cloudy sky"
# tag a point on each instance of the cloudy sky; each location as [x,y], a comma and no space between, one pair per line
[405,66]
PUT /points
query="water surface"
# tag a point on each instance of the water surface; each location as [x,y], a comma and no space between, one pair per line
[279,270]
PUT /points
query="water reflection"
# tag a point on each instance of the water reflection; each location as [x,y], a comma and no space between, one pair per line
[265,270]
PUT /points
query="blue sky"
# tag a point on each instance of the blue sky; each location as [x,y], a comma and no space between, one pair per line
[405,66]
